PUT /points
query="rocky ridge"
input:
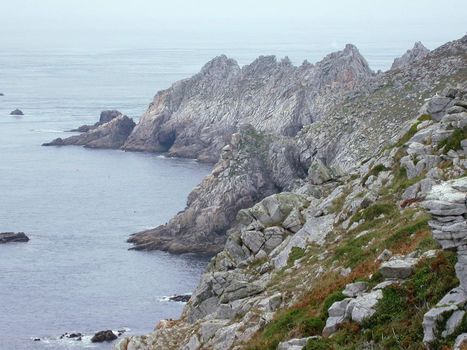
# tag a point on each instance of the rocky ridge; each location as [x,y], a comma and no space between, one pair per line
[196,117]
[350,254]
[255,164]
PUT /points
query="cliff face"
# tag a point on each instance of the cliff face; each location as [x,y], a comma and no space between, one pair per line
[350,254]
[353,129]
[196,117]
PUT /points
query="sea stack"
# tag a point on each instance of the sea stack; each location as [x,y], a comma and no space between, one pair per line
[17,112]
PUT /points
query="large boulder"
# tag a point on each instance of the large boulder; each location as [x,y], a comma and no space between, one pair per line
[103,336]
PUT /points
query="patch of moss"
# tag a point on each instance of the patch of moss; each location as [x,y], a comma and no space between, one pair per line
[403,234]
[453,142]
[425,117]
[374,171]
[295,254]
[352,252]
[297,320]
[401,181]
[318,344]
[374,211]
[408,135]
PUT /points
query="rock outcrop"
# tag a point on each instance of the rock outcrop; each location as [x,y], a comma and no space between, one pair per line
[255,164]
[8,237]
[416,53]
[105,117]
[111,134]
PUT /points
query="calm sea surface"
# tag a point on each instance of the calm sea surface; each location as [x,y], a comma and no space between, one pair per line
[78,206]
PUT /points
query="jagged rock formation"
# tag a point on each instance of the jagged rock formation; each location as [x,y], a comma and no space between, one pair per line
[353,130]
[303,250]
[196,117]
[105,117]
[416,53]
[108,135]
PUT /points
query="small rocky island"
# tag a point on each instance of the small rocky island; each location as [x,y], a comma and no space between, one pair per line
[17,112]
[111,131]
[9,237]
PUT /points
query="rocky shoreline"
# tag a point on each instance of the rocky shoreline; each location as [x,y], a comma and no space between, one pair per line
[318,209]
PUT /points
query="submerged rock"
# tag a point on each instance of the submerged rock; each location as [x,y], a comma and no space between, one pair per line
[7,237]
[17,112]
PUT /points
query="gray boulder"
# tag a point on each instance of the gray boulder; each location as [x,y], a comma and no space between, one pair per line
[398,268]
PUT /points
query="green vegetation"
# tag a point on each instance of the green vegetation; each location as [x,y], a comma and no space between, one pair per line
[338,202]
[374,171]
[425,117]
[331,299]
[295,254]
[401,181]
[397,323]
[408,135]
[453,142]
[374,211]
[403,233]
[296,319]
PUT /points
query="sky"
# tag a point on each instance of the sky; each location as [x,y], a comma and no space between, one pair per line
[146,23]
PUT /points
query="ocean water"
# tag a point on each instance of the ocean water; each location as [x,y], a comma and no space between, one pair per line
[78,206]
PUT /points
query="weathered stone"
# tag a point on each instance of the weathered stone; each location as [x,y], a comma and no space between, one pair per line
[431,319]
[295,344]
[354,289]
[315,230]
[453,323]
[397,268]
[363,306]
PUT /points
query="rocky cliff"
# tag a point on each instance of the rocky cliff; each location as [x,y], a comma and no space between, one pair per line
[355,127]
[196,117]
[349,256]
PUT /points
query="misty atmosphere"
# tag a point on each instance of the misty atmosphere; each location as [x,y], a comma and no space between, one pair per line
[267,175]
